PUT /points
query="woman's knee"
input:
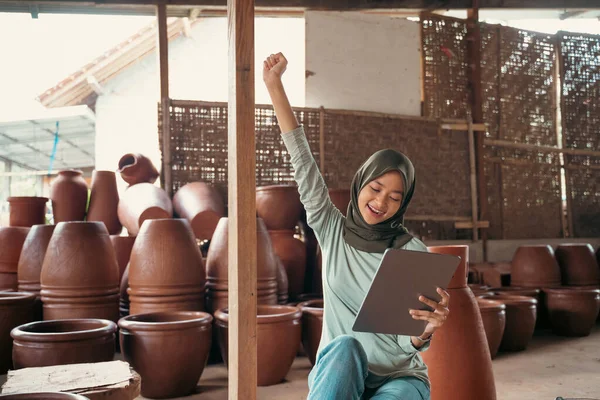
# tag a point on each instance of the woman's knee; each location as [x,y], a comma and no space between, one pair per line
[346,346]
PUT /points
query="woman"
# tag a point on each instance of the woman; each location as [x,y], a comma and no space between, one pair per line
[355,365]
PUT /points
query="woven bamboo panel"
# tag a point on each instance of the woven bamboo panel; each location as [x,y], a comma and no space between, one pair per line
[445,80]
[490,78]
[493,175]
[584,187]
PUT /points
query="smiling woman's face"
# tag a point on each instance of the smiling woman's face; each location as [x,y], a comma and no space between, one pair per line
[381,198]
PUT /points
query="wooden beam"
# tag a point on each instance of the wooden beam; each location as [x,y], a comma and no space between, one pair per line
[471,225]
[465,127]
[541,148]
[242,202]
[437,218]
[163,62]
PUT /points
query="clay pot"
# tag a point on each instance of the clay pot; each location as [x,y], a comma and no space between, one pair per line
[458,359]
[104,201]
[11,243]
[521,315]
[16,309]
[69,341]
[141,202]
[578,266]
[278,333]
[292,253]
[572,311]
[535,266]
[312,327]
[202,205]
[217,267]
[69,195]
[279,206]
[42,396]
[340,199]
[169,350]
[312,280]
[493,315]
[166,272]
[498,275]
[123,296]
[27,211]
[80,276]
[137,168]
[282,283]
[122,246]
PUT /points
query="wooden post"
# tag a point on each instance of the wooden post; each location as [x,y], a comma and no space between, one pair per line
[242,202]
[322,140]
[163,62]
[473,171]
[476,93]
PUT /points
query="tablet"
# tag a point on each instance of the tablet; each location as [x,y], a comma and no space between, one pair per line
[403,276]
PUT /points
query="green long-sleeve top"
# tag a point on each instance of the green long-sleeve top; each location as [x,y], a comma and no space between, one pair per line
[347,274]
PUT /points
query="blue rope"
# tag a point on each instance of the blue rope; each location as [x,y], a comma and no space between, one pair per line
[53,155]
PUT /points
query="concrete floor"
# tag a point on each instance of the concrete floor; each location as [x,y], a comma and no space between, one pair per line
[552,366]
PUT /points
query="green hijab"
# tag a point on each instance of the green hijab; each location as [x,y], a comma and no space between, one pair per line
[390,233]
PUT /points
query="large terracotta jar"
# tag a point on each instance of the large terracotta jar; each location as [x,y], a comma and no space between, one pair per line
[572,311]
[217,267]
[282,283]
[69,195]
[459,361]
[521,315]
[142,202]
[535,266]
[493,315]
[27,211]
[166,272]
[123,246]
[59,342]
[80,276]
[542,314]
[578,265]
[278,334]
[169,350]
[16,309]
[202,205]
[312,327]
[137,168]
[104,201]
[31,261]
[42,396]
[340,199]
[292,253]
[11,243]
[279,206]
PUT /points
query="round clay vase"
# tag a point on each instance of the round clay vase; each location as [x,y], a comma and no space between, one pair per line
[27,211]
[493,315]
[578,265]
[279,206]
[312,327]
[42,396]
[141,202]
[80,275]
[11,244]
[104,201]
[60,342]
[16,309]
[278,334]
[282,283]
[535,266]
[169,350]
[123,246]
[69,195]
[137,168]
[340,199]
[521,315]
[166,272]
[458,359]
[572,311]
[202,205]
[292,253]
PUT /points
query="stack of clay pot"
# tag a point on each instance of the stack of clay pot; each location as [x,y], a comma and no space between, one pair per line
[312,327]
[80,276]
[459,361]
[280,208]
[278,335]
[11,243]
[166,272]
[217,267]
[202,205]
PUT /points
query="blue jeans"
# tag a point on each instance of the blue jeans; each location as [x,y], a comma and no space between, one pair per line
[340,374]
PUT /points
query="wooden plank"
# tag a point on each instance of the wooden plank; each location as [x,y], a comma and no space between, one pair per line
[465,126]
[471,225]
[540,148]
[242,202]
[163,62]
